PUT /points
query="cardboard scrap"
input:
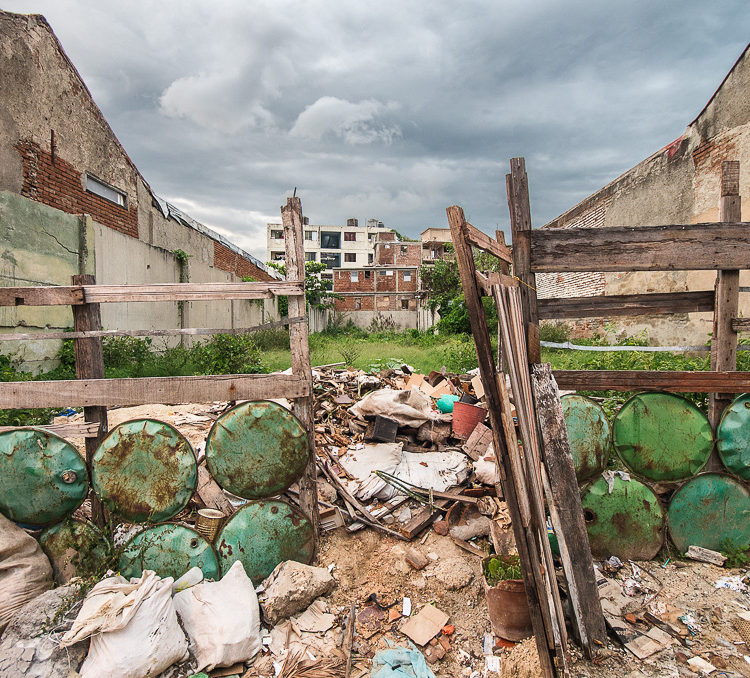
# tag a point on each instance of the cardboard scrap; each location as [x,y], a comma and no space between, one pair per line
[700,664]
[425,625]
[316,618]
[643,646]
[476,384]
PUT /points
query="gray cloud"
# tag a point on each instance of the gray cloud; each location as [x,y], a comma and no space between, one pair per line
[393,110]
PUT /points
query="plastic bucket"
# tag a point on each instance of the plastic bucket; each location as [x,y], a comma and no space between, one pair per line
[466,417]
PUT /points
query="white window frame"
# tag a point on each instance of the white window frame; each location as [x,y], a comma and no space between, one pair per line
[407,276]
[106,191]
[354,276]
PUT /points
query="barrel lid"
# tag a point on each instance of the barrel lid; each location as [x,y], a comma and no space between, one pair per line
[43,477]
[662,436]
[257,449]
[144,471]
[733,436]
[627,523]
[709,509]
[74,548]
[263,534]
[589,434]
[170,550]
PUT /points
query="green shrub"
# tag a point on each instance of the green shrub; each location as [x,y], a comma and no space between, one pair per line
[228,354]
[460,356]
[274,338]
[557,332]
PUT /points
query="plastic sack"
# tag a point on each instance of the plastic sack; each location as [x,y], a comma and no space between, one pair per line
[409,407]
[486,471]
[400,662]
[222,619]
[25,571]
[134,627]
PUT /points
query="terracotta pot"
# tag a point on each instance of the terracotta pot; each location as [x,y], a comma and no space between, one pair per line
[508,608]
[466,417]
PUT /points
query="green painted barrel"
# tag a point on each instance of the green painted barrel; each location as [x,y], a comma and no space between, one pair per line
[263,534]
[733,437]
[627,523]
[169,550]
[257,450]
[144,471]
[662,436]
[708,510]
[75,548]
[589,434]
[43,477]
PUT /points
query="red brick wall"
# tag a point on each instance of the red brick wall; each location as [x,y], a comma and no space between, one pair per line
[385,253]
[348,303]
[411,257]
[60,185]
[229,260]
[342,282]
[386,283]
[403,285]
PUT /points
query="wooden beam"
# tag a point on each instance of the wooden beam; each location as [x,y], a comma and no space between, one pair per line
[691,247]
[724,341]
[291,217]
[645,380]
[517,186]
[488,279]
[149,390]
[626,304]
[41,296]
[487,244]
[741,324]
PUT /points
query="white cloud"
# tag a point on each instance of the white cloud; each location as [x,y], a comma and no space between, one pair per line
[355,123]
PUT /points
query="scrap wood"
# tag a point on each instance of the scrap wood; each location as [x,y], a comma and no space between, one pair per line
[424,518]
[298,665]
[349,640]
[211,494]
[466,546]
[705,556]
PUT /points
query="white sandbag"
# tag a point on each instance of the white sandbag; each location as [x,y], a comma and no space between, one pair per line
[222,619]
[485,469]
[25,571]
[134,627]
[410,407]
[438,470]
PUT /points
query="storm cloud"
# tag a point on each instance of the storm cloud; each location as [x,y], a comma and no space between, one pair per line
[392,110]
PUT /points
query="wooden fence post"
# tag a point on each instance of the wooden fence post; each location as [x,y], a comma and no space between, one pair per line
[727,294]
[89,359]
[517,185]
[291,217]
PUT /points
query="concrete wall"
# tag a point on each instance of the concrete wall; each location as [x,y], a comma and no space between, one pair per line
[677,185]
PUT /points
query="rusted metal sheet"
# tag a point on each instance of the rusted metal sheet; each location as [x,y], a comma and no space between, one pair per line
[708,510]
[43,477]
[589,434]
[75,549]
[257,449]
[169,550]
[263,534]
[662,436]
[733,437]
[144,471]
[627,523]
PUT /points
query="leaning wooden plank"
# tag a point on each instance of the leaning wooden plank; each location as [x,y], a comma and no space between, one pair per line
[488,244]
[691,247]
[488,279]
[191,331]
[41,296]
[575,550]
[103,294]
[636,380]
[148,390]
[68,429]
[626,304]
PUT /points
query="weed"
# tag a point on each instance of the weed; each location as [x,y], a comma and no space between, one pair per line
[349,351]
[228,354]
[460,356]
[557,332]
[736,554]
[502,569]
[381,323]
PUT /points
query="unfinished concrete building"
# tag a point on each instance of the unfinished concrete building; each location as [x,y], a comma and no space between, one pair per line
[678,184]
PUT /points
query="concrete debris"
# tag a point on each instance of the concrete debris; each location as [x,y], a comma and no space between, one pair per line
[291,587]
[454,573]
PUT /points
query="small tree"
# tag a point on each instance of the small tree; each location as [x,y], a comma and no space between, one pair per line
[318,292]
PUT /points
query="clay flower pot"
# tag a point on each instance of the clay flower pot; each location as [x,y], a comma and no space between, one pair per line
[508,607]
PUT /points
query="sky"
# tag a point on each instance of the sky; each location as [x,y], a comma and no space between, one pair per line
[391,110]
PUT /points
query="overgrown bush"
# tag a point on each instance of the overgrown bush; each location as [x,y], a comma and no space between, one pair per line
[272,339]
[557,332]
[460,356]
[228,354]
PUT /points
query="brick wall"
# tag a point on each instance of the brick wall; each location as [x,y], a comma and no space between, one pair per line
[408,254]
[229,260]
[553,285]
[342,281]
[385,253]
[58,184]
[376,302]
[386,283]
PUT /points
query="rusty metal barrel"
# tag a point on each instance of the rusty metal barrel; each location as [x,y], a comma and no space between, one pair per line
[43,477]
[75,548]
[626,521]
[589,434]
[708,510]
[733,437]
[144,471]
[662,436]
[257,449]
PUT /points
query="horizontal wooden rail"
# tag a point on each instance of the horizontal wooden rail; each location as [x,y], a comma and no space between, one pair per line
[741,324]
[102,294]
[645,380]
[626,304]
[692,247]
[149,390]
[484,242]
[487,280]
[190,331]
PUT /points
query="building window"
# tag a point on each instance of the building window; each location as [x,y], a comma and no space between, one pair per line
[367,274]
[389,272]
[404,304]
[277,256]
[387,247]
[310,256]
[357,303]
[370,258]
[311,235]
[404,250]
[382,273]
[330,259]
[350,257]
[354,276]
[369,237]
[326,276]
[93,185]
[330,240]
[350,236]
[407,276]
[277,235]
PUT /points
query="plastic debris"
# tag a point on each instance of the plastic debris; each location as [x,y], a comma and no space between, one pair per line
[400,662]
